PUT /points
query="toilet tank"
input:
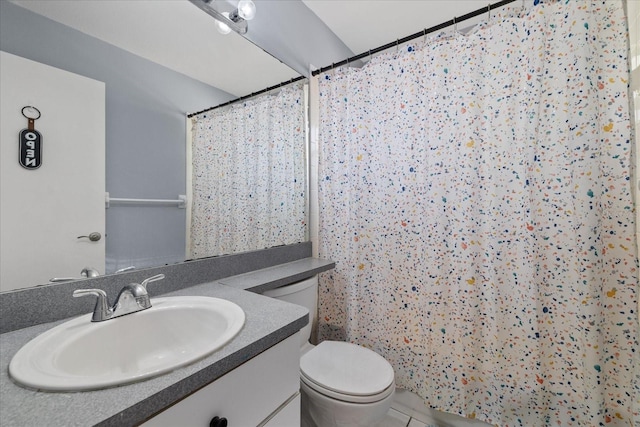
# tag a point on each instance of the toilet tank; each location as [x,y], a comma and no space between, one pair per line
[304,293]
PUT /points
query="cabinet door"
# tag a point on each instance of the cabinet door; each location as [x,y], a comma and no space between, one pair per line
[246,396]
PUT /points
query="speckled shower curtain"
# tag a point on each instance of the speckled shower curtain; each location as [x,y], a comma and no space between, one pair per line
[476,194]
[249,175]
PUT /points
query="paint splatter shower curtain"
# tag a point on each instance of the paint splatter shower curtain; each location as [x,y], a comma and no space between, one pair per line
[476,194]
[249,175]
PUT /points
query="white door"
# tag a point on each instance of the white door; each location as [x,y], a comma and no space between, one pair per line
[44,210]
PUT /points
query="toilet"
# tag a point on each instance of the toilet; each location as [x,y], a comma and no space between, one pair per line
[341,384]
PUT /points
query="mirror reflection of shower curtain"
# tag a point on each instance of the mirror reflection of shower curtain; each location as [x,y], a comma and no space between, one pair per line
[249,175]
[475,194]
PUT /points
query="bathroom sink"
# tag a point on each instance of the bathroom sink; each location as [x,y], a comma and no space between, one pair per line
[82,355]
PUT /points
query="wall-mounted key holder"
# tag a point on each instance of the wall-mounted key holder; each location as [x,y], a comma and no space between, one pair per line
[30,153]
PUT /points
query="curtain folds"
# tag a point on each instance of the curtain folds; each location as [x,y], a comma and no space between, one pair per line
[249,175]
[476,194]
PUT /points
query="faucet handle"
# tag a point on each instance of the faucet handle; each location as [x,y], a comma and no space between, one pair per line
[62,279]
[101,309]
[155,278]
[82,292]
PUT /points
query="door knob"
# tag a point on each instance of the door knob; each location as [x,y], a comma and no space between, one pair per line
[94,237]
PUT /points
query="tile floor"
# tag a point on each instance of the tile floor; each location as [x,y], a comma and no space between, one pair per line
[398,419]
[408,410]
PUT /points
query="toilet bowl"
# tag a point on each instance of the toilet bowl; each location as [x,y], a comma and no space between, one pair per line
[341,384]
[344,384]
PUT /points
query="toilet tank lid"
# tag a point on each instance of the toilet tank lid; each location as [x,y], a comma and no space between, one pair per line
[291,288]
[347,368]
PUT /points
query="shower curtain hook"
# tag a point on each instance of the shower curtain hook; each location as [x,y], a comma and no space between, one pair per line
[455,25]
[397,47]
[489,11]
[424,35]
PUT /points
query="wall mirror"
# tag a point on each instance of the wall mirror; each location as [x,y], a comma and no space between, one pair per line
[158,61]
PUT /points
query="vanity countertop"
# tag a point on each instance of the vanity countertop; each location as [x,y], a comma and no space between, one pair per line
[268,322]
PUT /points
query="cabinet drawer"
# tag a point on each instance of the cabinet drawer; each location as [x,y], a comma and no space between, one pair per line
[288,416]
[245,396]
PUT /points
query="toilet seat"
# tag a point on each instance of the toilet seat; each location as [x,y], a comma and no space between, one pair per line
[347,372]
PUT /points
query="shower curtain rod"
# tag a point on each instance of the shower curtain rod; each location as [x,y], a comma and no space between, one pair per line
[242,98]
[422,33]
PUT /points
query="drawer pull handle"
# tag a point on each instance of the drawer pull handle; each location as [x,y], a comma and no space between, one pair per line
[218,422]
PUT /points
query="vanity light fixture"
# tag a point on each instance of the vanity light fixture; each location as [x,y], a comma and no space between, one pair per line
[246,9]
[221,26]
[227,21]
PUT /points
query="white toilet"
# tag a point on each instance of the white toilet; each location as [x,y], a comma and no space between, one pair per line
[342,384]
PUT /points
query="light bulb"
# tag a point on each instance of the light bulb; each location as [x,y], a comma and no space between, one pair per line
[246,9]
[221,26]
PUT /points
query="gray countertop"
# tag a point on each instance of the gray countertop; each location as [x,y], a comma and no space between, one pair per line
[268,322]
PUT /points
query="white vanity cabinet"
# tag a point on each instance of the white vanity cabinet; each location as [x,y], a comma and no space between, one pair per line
[263,391]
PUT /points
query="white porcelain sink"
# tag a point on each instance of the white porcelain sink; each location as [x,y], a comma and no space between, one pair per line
[80,355]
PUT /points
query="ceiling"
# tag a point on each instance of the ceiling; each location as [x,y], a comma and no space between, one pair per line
[364,25]
[305,34]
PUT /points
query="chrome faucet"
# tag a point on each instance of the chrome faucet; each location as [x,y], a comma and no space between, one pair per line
[86,273]
[89,272]
[131,298]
